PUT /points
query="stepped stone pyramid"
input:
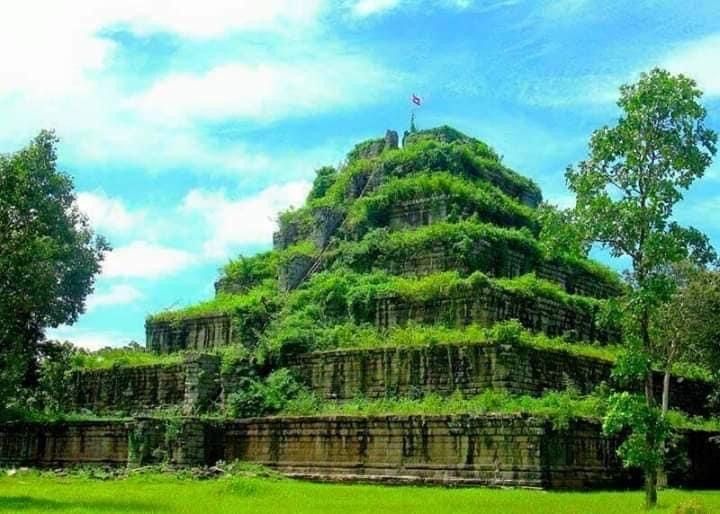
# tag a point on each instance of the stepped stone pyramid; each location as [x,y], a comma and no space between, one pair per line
[443,202]
[431,235]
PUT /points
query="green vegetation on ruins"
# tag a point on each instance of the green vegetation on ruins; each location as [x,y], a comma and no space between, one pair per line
[559,407]
[334,308]
[432,243]
[481,199]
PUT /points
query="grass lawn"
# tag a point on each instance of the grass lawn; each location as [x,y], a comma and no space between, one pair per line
[31,492]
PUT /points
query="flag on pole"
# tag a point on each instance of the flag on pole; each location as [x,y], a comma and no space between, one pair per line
[416,99]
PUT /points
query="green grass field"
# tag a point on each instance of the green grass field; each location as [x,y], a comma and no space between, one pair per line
[155,493]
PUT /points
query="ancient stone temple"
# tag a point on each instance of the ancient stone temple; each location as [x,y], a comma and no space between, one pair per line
[412,271]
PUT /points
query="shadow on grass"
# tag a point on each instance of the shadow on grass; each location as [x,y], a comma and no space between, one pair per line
[20,503]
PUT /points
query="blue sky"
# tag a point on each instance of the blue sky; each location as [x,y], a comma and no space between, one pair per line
[188,125]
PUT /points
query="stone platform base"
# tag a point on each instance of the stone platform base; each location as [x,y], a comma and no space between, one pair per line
[490,450]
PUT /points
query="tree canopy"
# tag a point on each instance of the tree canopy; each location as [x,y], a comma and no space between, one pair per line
[626,189]
[49,255]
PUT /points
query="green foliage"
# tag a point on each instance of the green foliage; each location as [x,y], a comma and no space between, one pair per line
[54,377]
[462,158]
[301,249]
[251,312]
[561,235]
[481,199]
[244,273]
[428,152]
[49,258]
[263,397]
[317,315]
[636,172]
[134,355]
[259,299]
[560,407]
[360,150]
[688,326]
[446,134]
[626,191]
[324,178]
[647,430]
[470,245]
[298,220]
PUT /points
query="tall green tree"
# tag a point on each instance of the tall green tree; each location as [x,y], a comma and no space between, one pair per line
[49,258]
[626,191]
[687,327]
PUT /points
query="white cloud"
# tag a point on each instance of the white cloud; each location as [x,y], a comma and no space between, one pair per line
[363,8]
[146,260]
[60,39]
[366,8]
[55,44]
[265,91]
[108,214]
[246,221]
[88,339]
[82,95]
[119,294]
[212,18]
[700,60]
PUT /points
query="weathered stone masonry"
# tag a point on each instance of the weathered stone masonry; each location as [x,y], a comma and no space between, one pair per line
[198,385]
[193,385]
[511,263]
[63,443]
[463,449]
[200,333]
[470,369]
[490,305]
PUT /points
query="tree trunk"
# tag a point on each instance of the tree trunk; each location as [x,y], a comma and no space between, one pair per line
[650,489]
[666,392]
[662,474]
[651,475]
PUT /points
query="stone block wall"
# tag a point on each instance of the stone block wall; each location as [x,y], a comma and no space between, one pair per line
[199,333]
[63,443]
[294,271]
[419,212]
[511,263]
[127,388]
[490,306]
[193,385]
[498,450]
[479,450]
[200,385]
[288,234]
[471,369]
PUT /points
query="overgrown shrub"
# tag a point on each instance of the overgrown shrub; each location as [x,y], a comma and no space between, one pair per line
[258,397]
[325,177]
[244,273]
[482,199]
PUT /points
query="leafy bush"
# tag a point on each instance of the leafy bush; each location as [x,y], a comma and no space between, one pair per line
[248,272]
[263,397]
[132,355]
[471,245]
[446,134]
[560,407]
[337,297]
[481,199]
[360,149]
[324,178]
